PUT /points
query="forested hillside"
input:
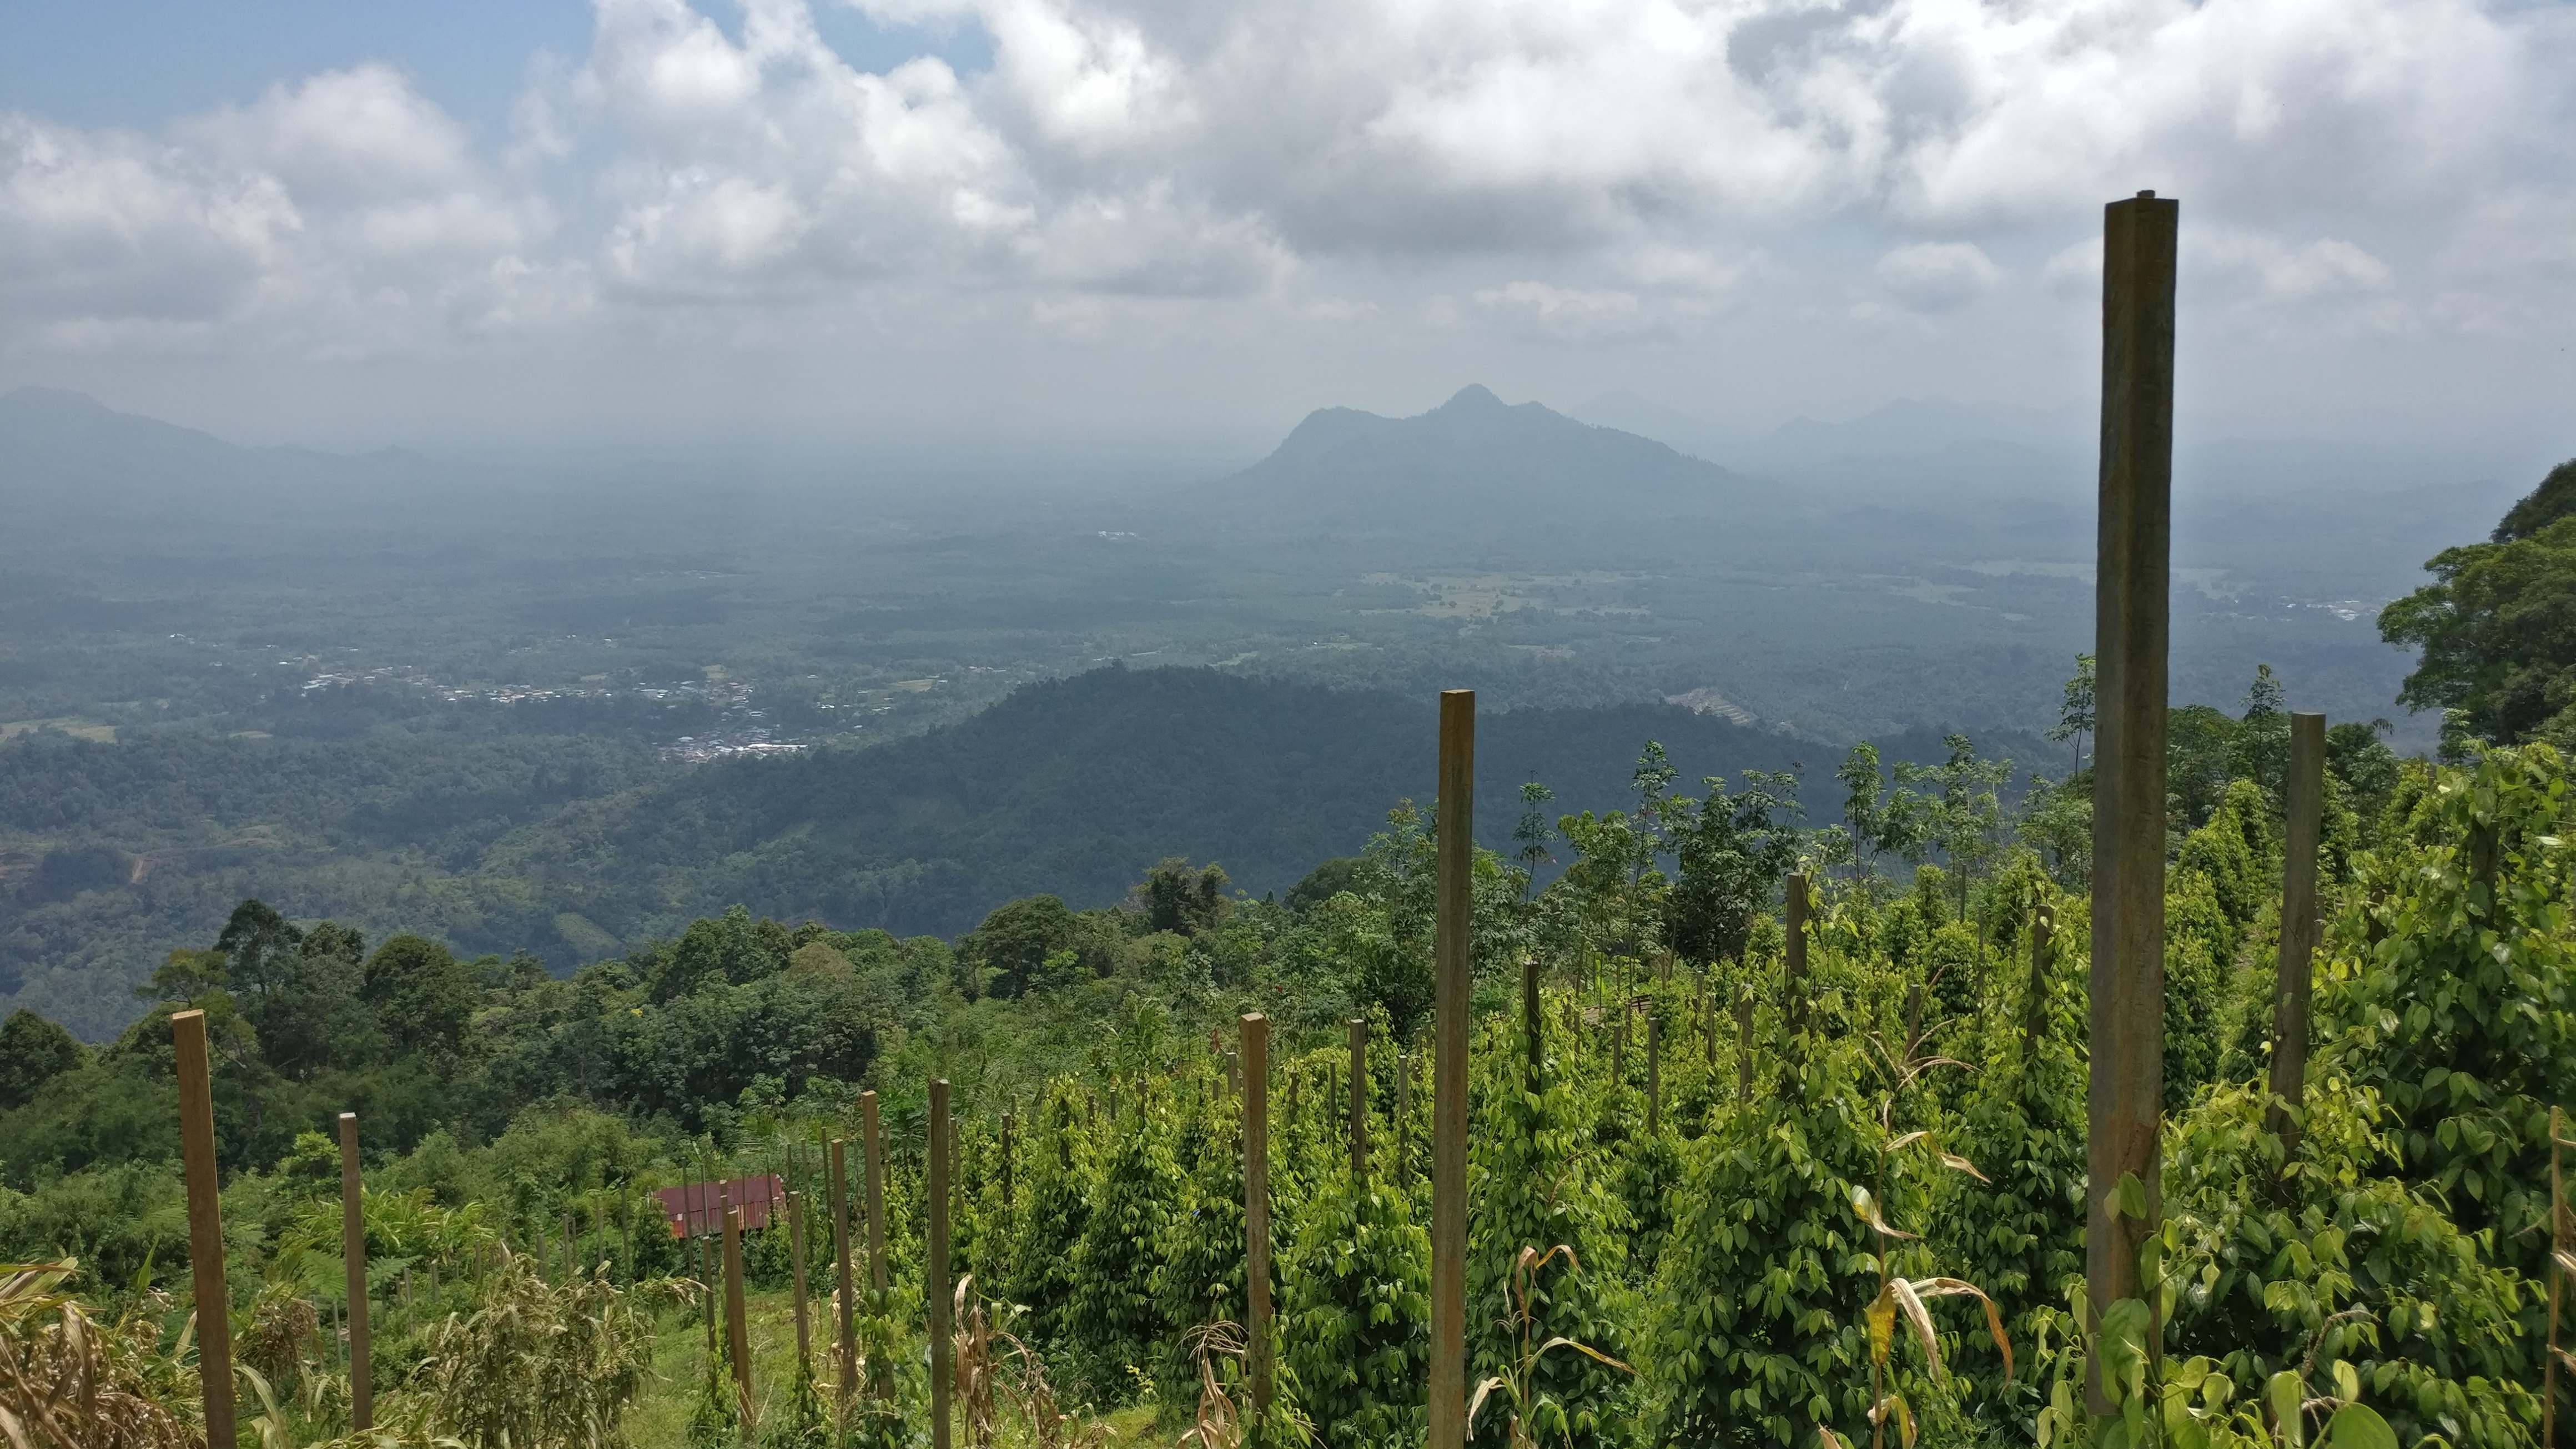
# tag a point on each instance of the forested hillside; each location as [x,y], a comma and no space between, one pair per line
[553,828]
[1777,1114]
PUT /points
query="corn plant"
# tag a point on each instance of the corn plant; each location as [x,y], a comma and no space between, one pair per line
[535,1363]
[70,1382]
[1532,1406]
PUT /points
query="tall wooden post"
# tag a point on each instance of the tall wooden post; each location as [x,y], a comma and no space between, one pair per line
[875,1154]
[935,1271]
[1006,1161]
[2132,588]
[1654,1072]
[205,1224]
[1255,1060]
[1533,1044]
[845,1327]
[737,1324]
[2034,1009]
[1708,1009]
[1403,1120]
[796,1264]
[2562,1243]
[353,1254]
[1453,880]
[1793,972]
[1359,1099]
[2306,806]
[1744,1044]
[708,1224]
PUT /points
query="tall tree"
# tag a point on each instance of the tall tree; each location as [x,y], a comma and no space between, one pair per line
[2497,626]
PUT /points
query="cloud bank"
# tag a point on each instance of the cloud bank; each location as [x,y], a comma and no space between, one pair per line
[1576,175]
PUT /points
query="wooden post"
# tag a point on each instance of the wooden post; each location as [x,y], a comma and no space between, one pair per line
[845,1325]
[1654,1072]
[1744,1044]
[1403,1120]
[1359,1099]
[205,1224]
[737,1326]
[875,1153]
[1006,1161]
[1454,922]
[2300,838]
[796,1263]
[708,1268]
[2034,1010]
[1793,971]
[572,1253]
[1533,1043]
[1256,1213]
[1708,1010]
[353,1254]
[2562,1239]
[935,1270]
[2132,585]
[1619,1049]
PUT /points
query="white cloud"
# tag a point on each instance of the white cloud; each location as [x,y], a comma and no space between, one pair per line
[1587,171]
[1568,313]
[1937,276]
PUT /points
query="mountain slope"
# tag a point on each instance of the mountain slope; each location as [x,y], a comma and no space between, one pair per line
[1074,787]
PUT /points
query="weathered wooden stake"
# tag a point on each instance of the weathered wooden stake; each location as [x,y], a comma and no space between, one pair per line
[709,1269]
[1359,1098]
[737,1325]
[875,1153]
[1256,1214]
[1708,1010]
[935,1270]
[2132,586]
[1619,1049]
[2306,798]
[2034,1010]
[796,1264]
[1744,1044]
[1403,1120]
[353,1255]
[1454,923]
[2562,1240]
[845,1327]
[205,1224]
[1533,1043]
[1654,1072]
[1793,970]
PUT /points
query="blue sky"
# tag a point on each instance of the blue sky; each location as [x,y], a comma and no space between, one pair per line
[482,224]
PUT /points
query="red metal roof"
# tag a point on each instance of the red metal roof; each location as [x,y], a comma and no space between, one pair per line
[699,1207]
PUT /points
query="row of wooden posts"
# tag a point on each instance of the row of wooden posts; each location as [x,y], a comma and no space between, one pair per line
[2132,585]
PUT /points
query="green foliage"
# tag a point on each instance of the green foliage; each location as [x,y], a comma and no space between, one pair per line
[1112,1317]
[2353,1268]
[2451,992]
[33,1051]
[2494,628]
[1057,1218]
[1355,1319]
[1756,1337]
[1534,1182]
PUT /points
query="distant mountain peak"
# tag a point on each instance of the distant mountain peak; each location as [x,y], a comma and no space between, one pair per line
[1475,397]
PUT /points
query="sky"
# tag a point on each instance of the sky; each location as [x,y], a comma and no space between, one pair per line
[659,223]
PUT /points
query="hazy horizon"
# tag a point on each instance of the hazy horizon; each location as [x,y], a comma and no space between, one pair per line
[1105,227]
